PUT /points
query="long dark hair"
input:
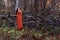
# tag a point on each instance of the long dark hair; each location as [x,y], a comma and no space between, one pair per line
[16,10]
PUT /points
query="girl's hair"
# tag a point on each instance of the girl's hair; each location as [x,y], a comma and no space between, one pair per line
[17,10]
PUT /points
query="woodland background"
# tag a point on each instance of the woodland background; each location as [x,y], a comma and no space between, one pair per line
[41,20]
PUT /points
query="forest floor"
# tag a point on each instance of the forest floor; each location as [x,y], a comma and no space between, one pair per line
[7,33]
